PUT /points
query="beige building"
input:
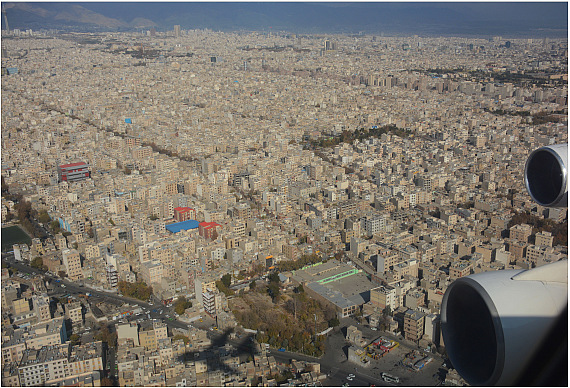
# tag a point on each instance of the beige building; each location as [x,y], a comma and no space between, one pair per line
[41,307]
[520,232]
[201,286]
[459,269]
[21,306]
[383,296]
[72,263]
[147,339]
[13,349]
[73,311]
[38,366]
[85,359]
[544,239]
[47,333]
[413,325]
[151,272]
[128,330]
[385,259]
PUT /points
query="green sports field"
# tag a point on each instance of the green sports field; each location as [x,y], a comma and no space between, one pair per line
[13,235]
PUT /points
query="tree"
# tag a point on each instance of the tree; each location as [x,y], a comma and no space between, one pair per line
[252,285]
[222,287]
[181,337]
[138,290]
[181,305]
[54,225]
[227,279]
[5,188]
[75,339]
[44,217]
[106,336]
[333,322]
[38,263]
[273,291]
[273,277]
[61,274]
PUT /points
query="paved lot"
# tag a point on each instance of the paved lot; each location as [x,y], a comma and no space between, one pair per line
[335,358]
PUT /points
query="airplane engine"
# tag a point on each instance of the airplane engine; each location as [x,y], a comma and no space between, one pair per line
[494,322]
[545,175]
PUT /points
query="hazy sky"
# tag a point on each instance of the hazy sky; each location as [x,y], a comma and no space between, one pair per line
[514,19]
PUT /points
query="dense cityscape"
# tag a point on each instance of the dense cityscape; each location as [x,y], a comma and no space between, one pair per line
[202,208]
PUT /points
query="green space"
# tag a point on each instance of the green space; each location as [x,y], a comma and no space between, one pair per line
[14,235]
[287,320]
[138,290]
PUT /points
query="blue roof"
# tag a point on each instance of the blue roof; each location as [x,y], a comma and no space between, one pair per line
[184,225]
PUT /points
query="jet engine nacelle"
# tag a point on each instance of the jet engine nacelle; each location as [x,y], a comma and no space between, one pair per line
[493,322]
[545,175]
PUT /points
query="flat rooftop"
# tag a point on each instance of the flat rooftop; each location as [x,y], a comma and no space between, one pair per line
[323,272]
[184,225]
[352,289]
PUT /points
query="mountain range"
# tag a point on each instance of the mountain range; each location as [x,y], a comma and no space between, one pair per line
[509,19]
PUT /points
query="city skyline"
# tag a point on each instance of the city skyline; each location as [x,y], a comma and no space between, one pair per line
[517,20]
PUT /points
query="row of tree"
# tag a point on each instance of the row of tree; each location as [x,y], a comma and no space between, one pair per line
[293,265]
[537,119]
[224,284]
[358,134]
[181,305]
[24,212]
[559,230]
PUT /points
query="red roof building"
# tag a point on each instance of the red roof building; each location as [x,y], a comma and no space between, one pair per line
[207,229]
[182,214]
[73,172]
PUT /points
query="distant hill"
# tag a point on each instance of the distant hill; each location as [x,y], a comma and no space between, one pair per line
[544,19]
[56,15]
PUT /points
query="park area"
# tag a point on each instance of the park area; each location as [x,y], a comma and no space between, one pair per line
[13,235]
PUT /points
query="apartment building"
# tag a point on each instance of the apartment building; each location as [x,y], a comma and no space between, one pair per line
[413,325]
[72,263]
